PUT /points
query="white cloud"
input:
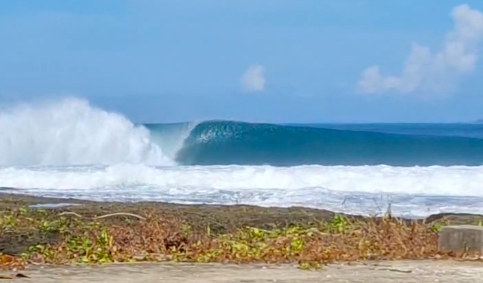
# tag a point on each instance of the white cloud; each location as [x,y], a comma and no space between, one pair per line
[254,79]
[434,72]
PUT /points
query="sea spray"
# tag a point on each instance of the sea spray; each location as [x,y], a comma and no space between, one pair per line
[70,131]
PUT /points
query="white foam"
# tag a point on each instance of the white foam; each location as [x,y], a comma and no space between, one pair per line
[69,131]
[415,190]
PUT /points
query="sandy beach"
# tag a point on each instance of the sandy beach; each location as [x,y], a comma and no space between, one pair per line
[376,272]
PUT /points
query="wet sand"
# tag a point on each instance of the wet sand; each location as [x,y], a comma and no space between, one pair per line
[226,216]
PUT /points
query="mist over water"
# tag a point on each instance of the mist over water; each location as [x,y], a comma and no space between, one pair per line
[69,148]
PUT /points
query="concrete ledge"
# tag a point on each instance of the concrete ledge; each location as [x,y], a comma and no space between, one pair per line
[461,239]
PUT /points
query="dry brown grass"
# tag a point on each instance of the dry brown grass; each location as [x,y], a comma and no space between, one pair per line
[61,239]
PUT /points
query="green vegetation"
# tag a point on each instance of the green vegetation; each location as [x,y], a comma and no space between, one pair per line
[103,232]
[59,238]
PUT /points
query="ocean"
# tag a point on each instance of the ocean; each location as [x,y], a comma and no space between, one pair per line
[70,149]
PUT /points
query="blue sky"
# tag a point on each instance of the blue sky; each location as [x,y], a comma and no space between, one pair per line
[270,60]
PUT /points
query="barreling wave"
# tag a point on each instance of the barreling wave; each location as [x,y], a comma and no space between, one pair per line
[229,142]
[70,131]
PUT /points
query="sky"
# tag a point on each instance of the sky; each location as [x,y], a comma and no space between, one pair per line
[294,61]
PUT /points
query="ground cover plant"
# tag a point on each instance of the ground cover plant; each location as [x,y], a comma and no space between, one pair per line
[64,237]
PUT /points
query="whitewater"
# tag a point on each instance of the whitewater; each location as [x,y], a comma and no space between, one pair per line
[70,148]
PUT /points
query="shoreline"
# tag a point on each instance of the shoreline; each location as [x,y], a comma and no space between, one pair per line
[9,200]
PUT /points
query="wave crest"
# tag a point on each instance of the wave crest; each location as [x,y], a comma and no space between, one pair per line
[229,142]
[69,131]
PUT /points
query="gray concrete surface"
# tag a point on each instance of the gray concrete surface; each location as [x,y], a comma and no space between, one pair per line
[461,238]
[394,271]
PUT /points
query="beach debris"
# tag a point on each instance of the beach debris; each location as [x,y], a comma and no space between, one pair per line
[13,276]
[103,216]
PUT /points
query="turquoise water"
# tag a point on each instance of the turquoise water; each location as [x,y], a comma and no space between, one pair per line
[230,142]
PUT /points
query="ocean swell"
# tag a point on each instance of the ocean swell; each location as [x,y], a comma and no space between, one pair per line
[70,131]
[229,142]
[69,148]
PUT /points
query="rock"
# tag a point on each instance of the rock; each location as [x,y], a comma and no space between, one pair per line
[461,239]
